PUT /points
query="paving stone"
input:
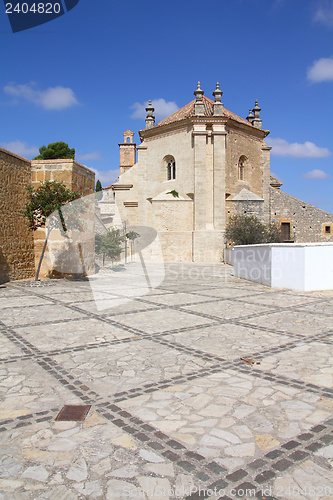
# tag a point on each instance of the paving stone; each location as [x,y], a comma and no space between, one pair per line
[305,437]
[150,456]
[274,454]
[155,446]
[220,484]
[170,455]
[314,446]
[282,464]
[290,445]
[326,439]
[203,476]
[264,476]
[215,468]
[298,455]
[245,489]
[184,464]
[257,464]
[318,428]
[195,456]
[237,475]
[175,444]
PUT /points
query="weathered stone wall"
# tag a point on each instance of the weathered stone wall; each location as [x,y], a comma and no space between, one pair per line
[307,223]
[16,242]
[246,207]
[75,176]
[240,144]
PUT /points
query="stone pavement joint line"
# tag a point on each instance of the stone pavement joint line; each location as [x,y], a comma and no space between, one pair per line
[239,402]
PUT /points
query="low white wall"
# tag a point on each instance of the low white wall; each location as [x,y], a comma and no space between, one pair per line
[253,262]
[298,266]
[228,256]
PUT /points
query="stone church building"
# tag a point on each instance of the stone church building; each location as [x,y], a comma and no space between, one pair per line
[195,169]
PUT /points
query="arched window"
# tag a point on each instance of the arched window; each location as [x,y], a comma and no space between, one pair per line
[241,168]
[170,167]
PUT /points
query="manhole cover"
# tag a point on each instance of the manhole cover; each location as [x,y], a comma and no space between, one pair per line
[74,413]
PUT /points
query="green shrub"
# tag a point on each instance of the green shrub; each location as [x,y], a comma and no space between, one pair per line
[249,230]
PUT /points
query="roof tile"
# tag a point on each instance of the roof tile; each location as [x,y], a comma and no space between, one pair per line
[187,111]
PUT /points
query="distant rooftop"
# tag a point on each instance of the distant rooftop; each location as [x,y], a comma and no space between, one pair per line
[187,111]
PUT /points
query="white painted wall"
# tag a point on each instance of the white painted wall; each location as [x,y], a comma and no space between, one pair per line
[288,267]
[319,266]
[298,266]
[253,262]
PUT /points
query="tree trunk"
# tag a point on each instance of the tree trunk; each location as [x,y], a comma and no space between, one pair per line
[42,255]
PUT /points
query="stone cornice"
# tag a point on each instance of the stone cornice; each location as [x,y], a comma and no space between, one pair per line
[131,204]
[122,187]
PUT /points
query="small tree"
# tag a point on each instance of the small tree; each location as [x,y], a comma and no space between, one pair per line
[248,230]
[55,151]
[110,244]
[273,233]
[41,203]
[132,236]
[98,190]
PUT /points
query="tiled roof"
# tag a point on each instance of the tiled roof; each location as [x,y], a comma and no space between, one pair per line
[245,195]
[187,111]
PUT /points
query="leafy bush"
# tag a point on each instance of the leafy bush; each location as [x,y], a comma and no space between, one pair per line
[110,244]
[249,230]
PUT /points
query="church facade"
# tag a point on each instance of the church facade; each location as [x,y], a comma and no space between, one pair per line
[195,169]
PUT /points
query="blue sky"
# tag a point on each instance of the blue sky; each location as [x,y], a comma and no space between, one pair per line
[84,78]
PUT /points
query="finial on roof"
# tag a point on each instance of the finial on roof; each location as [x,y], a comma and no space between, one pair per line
[217,93]
[256,110]
[199,93]
[256,122]
[217,106]
[150,119]
[250,117]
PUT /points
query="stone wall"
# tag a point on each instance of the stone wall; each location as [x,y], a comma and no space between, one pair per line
[243,144]
[16,242]
[245,207]
[75,176]
[307,223]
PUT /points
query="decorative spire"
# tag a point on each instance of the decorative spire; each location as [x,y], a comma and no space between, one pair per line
[250,117]
[198,93]
[256,122]
[199,104]
[256,110]
[150,119]
[217,93]
[217,106]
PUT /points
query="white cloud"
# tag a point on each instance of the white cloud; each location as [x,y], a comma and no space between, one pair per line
[95,155]
[162,107]
[50,98]
[324,13]
[316,174]
[106,177]
[321,70]
[280,147]
[21,148]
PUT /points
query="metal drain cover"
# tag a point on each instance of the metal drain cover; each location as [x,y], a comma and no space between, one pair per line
[73,413]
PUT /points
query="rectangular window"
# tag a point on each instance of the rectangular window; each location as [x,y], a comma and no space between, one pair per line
[285,231]
[327,229]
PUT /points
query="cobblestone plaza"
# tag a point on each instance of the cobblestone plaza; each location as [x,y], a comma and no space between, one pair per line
[207,387]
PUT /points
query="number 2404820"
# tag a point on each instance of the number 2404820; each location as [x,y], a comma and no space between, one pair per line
[35,8]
